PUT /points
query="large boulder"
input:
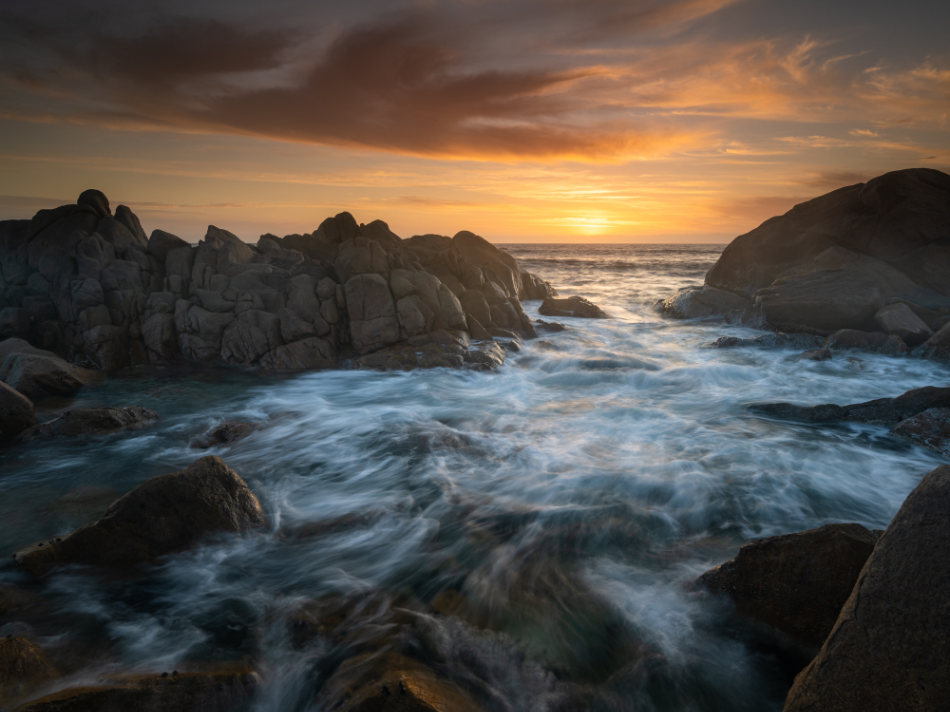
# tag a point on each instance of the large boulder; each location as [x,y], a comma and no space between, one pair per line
[166,514]
[890,645]
[930,428]
[38,376]
[872,256]
[938,345]
[796,583]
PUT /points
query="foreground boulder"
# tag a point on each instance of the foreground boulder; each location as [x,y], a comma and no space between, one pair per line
[571,306]
[23,667]
[216,691]
[890,645]
[16,412]
[871,257]
[90,286]
[166,514]
[92,421]
[796,583]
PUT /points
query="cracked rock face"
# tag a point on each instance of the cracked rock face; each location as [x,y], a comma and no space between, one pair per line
[89,285]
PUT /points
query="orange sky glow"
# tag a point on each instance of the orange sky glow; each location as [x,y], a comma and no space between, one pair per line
[523,121]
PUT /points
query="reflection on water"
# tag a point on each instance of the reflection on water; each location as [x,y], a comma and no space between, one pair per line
[531,533]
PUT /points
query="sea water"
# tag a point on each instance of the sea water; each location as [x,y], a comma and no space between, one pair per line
[571,498]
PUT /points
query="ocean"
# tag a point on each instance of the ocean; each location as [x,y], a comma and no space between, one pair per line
[542,524]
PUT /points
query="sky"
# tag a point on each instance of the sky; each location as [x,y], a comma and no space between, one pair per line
[520,120]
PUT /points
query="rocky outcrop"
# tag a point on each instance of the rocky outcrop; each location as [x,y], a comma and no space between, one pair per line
[881,410]
[166,514]
[16,412]
[92,421]
[796,583]
[930,428]
[89,285]
[890,645]
[872,257]
[571,306]
[223,690]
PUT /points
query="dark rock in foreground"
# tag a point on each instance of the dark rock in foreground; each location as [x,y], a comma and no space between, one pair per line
[930,428]
[872,257]
[571,306]
[796,583]
[880,410]
[90,285]
[216,691]
[166,514]
[92,421]
[23,667]
[890,647]
[16,412]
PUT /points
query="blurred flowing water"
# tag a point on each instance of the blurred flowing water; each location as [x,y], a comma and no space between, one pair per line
[567,500]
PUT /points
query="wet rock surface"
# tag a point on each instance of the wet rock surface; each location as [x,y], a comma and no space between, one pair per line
[869,257]
[167,513]
[880,410]
[89,285]
[92,422]
[23,668]
[16,412]
[889,647]
[930,428]
[571,306]
[798,582]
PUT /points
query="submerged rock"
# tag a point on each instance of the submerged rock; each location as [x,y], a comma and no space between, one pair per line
[796,583]
[92,421]
[871,257]
[224,433]
[890,645]
[166,514]
[571,306]
[16,412]
[215,691]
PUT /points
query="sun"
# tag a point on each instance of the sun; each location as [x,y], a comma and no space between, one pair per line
[588,225]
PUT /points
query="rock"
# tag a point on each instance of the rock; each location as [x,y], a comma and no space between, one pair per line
[706,301]
[938,345]
[225,433]
[549,326]
[166,514]
[930,428]
[16,412]
[23,667]
[373,322]
[160,243]
[815,355]
[890,645]
[777,340]
[873,341]
[881,410]
[391,682]
[37,376]
[836,261]
[900,320]
[92,421]
[215,691]
[485,356]
[571,306]
[796,583]
[96,201]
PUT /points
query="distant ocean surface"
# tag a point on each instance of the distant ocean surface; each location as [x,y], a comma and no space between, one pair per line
[570,499]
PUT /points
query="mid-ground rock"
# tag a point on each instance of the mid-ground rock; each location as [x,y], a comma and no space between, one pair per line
[796,583]
[890,645]
[16,412]
[872,257]
[938,345]
[224,433]
[167,513]
[37,373]
[880,410]
[874,341]
[92,421]
[571,306]
[215,691]
[930,428]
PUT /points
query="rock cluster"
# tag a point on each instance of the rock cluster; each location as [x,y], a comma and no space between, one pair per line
[873,257]
[90,285]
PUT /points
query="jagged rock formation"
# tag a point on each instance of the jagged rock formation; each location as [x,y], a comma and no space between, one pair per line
[873,257]
[88,284]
